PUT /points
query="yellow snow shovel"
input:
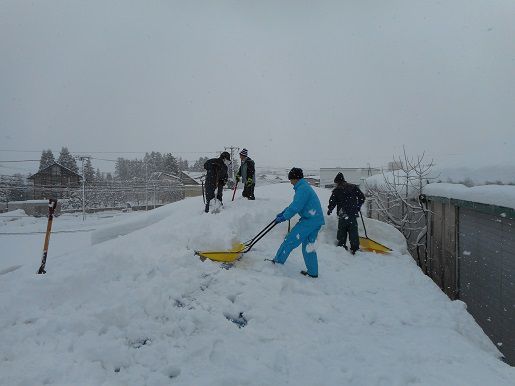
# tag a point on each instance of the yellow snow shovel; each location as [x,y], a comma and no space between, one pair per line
[237,249]
[370,245]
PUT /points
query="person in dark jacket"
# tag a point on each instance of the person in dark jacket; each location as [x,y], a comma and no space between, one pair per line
[307,205]
[347,198]
[216,177]
[247,173]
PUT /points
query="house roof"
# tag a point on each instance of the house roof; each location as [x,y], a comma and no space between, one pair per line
[162,176]
[191,178]
[42,171]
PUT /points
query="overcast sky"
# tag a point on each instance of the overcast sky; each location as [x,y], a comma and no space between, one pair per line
[304,83]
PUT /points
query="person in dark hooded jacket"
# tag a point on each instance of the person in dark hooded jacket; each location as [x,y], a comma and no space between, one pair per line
[347,198]
[216,177]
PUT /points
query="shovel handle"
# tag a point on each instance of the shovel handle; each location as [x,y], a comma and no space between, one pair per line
[364,228]
[234,192]
[249,244]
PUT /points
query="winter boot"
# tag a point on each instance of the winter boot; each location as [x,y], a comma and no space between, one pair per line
[305,273]
[207,208]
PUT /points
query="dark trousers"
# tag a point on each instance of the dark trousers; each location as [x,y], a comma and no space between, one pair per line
[210,191]
[348,225]
[248,191]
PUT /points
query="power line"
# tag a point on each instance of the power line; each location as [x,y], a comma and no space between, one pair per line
[107,152]
[22,160]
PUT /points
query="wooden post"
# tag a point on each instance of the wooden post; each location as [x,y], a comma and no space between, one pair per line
[52,203]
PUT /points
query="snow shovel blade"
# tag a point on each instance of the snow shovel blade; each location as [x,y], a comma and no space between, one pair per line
[223,256]
[370,245]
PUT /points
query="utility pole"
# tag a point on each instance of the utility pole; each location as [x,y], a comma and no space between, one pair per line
[146,188]
[232,150]
[82,158]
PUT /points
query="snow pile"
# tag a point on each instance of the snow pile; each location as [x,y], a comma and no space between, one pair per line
[500,195]
[491,175]
[141,309]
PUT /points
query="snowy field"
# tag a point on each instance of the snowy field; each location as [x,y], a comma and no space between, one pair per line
[138,308]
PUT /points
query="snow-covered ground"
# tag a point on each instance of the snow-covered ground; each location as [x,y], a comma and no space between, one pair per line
[141,309]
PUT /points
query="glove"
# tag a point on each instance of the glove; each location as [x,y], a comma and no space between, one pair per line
[249,182]
[280,218]
[237,178]
[329,212]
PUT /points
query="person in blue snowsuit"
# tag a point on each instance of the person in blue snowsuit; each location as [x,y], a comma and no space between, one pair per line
[305,232]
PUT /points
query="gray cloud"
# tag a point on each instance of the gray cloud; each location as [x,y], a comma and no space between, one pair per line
[312,84]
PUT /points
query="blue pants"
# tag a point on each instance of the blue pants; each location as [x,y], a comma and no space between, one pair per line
[304,233]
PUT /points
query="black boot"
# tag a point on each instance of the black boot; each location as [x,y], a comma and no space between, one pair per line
[207,208]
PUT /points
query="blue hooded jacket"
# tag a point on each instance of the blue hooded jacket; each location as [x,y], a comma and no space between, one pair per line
[306,204]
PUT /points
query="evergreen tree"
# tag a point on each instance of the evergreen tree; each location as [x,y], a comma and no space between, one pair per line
[198,166]
[154,162]
[66,159]
[98,176]
[170,164]
[47,159]
[121,169]
[89,172]
[183,164]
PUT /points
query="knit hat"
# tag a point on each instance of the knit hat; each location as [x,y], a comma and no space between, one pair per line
[244,152]
[295,174]
[339,178]
[225,155]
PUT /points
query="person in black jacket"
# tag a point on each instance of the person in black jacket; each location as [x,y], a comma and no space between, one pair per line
[347,198]
[247,173]
[216,177]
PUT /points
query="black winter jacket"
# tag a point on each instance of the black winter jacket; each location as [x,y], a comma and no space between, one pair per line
[348,199]
[216,171]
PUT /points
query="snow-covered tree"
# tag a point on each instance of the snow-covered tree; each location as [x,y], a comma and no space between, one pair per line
[66,159]
[170,164]
[198,166]
[395,199]
[183,164]
[154,162]
[89,172]
[13,188]
[98,176]
[47,159]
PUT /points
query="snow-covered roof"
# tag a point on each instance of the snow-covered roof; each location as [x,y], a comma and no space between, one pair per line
[49,166]
[121,305]
[499,195]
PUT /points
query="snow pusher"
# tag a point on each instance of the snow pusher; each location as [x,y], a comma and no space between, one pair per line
[237,249]
[370,245]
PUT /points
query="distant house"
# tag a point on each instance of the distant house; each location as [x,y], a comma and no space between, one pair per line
[352,175]
[192,183]
[190,178]
[53,181]
[165,188]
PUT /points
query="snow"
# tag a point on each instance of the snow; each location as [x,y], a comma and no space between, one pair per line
[500,195]
[486,175]
[141,309]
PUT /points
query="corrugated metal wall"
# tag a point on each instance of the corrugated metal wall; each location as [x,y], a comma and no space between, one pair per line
[441,262]
[486,245]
